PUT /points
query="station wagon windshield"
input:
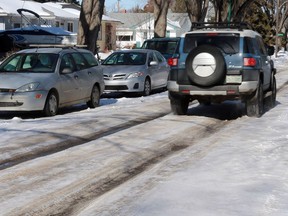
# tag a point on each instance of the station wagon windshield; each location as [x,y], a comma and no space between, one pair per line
[126,59]
[30,62]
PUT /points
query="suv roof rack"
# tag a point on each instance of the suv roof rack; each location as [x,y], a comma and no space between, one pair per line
[220,25]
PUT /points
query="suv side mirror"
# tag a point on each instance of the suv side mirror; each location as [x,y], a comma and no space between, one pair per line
[270,50]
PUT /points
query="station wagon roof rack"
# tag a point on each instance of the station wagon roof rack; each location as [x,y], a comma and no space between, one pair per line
[57,46]
[220,25]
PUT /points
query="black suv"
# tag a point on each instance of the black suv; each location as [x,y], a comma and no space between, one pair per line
[166,46]
[215,62]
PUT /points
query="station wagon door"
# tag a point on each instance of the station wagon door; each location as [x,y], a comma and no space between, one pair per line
[69,81]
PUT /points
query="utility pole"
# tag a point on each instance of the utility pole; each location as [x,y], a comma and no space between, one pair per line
[229,12]
[118,6]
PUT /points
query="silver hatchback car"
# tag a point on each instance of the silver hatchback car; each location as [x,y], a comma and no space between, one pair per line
[45,79]
[136,70]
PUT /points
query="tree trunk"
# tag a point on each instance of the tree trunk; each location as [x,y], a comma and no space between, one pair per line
[90,23]
[160,17]
[197,10]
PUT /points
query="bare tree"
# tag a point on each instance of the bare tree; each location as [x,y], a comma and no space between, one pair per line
[90,23]
[197,10]
[160,15]
[233,8]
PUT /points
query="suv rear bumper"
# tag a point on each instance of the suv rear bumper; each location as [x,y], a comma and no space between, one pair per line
[245,87]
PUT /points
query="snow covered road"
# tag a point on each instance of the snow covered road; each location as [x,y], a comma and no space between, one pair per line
[223,158]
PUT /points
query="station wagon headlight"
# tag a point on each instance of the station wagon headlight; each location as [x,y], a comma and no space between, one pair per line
[28,87]
[135,75]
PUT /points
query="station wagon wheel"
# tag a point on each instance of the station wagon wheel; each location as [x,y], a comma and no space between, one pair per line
[51,105]
[147,87]
[94,97]
[255,105]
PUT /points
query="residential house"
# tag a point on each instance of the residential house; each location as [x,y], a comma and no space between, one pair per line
[62,15]
[138,27]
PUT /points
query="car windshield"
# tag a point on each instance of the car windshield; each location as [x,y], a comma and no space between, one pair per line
[228,43]
[124,58]
[30,63]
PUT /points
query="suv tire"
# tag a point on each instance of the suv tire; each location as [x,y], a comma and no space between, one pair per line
[179,104]
[205,66]
[255,105]
[271,99]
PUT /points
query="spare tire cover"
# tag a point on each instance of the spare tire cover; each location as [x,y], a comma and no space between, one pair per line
[205,65]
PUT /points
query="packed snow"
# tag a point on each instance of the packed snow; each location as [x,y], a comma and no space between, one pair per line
[240,170]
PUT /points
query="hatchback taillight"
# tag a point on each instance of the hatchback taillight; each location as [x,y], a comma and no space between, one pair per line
[250,62]
[172,61]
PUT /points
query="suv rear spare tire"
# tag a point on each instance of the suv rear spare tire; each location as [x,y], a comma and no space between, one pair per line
[205,65]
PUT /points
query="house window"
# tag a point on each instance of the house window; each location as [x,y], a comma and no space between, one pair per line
[167,33]
[100,34]
[57,24]
[17,25]
[70,26]
[124,38]
[145,35]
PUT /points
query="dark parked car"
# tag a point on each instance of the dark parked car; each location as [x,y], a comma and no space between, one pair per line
[166,46]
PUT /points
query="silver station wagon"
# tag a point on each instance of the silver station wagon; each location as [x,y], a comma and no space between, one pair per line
[46,79]
[136,70]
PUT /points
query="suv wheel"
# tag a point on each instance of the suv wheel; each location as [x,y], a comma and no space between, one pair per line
[271,100]
[255,105]
[205,65]
[179,104]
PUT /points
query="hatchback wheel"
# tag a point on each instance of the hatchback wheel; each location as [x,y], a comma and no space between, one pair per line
[94,98]
[51,105]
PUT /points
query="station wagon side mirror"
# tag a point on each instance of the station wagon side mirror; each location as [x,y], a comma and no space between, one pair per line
[270,50]
[66,70]
[153,63]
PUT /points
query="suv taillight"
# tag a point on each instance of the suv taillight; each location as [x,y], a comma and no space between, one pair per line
[172,61]
[250,62]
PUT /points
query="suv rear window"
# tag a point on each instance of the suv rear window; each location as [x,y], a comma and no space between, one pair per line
[228,43]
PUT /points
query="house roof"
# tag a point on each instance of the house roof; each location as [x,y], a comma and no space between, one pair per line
[48,10]
[9,7]
[183,20]
[131,20]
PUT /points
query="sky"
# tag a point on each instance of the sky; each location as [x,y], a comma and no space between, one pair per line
[239,171]
[111,5]
[125,4]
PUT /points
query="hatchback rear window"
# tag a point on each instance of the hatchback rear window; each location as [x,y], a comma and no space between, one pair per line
[227,42]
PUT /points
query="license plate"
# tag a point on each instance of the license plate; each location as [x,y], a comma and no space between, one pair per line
[233,79]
